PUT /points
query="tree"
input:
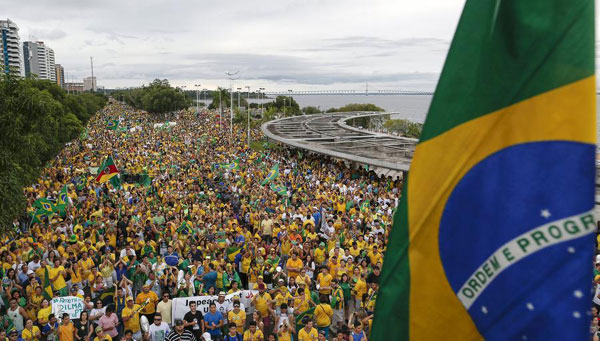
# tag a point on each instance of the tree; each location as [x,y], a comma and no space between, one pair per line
[220,96]
[356,107]
[158,97]
[310,110]
[285,103]
[36,119]
[404,127]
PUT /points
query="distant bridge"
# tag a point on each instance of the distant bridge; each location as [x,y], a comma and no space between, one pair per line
[349,93]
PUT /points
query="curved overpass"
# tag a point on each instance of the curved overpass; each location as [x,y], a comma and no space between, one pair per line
[329,134]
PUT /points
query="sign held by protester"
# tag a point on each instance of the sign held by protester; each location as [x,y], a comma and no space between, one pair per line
[181,304]
[72,305]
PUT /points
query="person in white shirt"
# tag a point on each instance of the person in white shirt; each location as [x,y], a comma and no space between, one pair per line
[164,307]
[158,330]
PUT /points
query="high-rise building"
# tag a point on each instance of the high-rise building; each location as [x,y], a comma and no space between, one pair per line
[39,60]
[60,75]
[10,45]
[74,87]
[51,64]
[89,83]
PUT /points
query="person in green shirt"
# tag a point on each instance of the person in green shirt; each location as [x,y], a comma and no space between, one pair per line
[347,291]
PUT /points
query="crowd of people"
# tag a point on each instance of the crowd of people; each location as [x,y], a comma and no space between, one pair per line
[195,213]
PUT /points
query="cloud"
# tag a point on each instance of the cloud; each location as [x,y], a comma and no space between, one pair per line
[375,42]
[311,43]
[43,34]
[283,69]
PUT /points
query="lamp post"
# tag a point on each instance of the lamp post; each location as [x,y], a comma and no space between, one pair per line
[197,95]
[239,94]
[262,97]
[184,95]
[231,79]
[220,108]
[290,92]
[248,113]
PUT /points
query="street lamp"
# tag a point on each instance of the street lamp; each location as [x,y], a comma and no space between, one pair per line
[262,97]
[197,95]
[231,79]
[248,113]
[220,108]
[290,92]
[238,91]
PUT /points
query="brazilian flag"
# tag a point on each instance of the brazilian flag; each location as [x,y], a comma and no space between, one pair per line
[46,286]
[273,174]
[112,124]
[81,182]
[63,201]
[279,189]
[185,228]
[38,216]
[364,206]
[45,205]
[494,231]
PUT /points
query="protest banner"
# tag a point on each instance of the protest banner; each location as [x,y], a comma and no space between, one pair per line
[69,304]
[181,304]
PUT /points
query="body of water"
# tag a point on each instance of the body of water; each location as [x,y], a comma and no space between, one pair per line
[410,107]
[413,108]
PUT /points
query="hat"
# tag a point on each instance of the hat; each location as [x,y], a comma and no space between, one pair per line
[98,330]
[30,272]
[280,280]
[221,293]
[73,238]
[129,298]
[300,283]
[321,244]
[13,331]
[179,322]
[261,277]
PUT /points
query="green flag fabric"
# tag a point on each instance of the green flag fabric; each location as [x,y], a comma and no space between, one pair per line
[273,174]
[504,167]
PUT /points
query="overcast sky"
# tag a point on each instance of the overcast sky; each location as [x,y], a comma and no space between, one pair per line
[275,44]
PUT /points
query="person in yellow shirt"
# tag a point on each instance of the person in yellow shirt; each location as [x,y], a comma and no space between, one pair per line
[237,316]
[31,332]
[320,254]
[359,288]
[294,265]
[301,299]
[131,318]
[262,300]
[324,280]
[101,335]
[253,333]
[282,295]
[151,298]
[323,314]
[57,277]
[354,250]
[375,256]
[307,333]
[66,330]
